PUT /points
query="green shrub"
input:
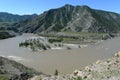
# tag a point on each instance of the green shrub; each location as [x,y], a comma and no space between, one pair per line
[56,72]
[79,78]
[55,40]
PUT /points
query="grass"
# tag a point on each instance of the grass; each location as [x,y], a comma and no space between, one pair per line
[76,37]
[3,77]
[83,33]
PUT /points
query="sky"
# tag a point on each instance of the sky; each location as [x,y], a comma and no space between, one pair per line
[23,7]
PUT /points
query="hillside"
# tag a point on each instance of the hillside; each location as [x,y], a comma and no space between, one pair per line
[11,70]
[72,18]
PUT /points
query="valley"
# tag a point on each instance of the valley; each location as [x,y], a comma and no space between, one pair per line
[59,40]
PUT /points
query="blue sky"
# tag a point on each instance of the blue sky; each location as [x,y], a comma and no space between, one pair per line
[38,6]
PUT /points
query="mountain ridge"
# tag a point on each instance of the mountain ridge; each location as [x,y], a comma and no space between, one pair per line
[66,18]
[9,17]
[7,20]
[72,18]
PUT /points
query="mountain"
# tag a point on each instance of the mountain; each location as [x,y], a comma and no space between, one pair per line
[8,17]
[7,21]
[72,18]
[11,70]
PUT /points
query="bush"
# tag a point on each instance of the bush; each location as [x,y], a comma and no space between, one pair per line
[79,78]
[56,72]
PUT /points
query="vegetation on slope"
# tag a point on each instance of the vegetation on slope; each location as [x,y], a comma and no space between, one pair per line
[35,44]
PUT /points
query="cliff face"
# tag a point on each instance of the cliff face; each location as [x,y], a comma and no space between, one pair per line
[72,18]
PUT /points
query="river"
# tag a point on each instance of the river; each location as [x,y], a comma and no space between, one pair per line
[65,61]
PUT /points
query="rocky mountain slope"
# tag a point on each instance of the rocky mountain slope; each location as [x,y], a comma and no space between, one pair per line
[11,70]
[72,18]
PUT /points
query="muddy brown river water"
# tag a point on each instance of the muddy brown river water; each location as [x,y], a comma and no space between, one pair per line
[65,61]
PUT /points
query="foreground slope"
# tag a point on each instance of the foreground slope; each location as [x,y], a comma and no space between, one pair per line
[12,70]
[72,18]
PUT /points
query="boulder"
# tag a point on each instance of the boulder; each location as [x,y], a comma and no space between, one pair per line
[117,54]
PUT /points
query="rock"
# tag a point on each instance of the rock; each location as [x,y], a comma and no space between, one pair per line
[117,54]
[79,73]
[98,62]
[87,68]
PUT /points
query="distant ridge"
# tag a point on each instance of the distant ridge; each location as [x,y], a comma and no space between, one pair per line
[7,20]
[8,17]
